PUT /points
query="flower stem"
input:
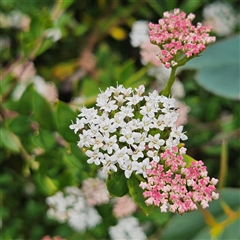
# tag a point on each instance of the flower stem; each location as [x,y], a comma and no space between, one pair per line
[167,90]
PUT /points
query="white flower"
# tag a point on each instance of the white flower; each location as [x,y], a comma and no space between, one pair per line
[178,134]
[109,163]
[127,229]
[137,151]
[143,166]
[70,206]
[155,141]
[94,156]
[121,155]
[110,144]
[79,125]
[221,16]
[128,167]
[127,136]
[139,33]
[154,155]
[149,109]
[147,123]
[127,111]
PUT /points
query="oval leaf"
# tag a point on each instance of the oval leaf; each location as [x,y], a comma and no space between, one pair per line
[117,184]
[63,116]
[218,68]
[137,194]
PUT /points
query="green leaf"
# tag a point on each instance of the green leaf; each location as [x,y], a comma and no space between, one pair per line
[72,162]
[45,140]
[9,140]
[46,185]
[194,227]
[42,112]
[188,160]
[218,68]
[25,102]
[117,184]
[64,115]
[20,125]
[137,194]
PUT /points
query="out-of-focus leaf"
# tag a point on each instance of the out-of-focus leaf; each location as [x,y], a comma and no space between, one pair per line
[137,194]
[42,112]
[191,6]
[218,68]
[136,79]
[117,184]
[192,225]
[72,162]
[64,115]
[25,102]
[9,140]
[45,140]
[20,125]
[46,185]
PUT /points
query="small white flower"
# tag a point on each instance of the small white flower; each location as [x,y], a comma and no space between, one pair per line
[128,111]
[136,151]
[79,125]
[94,156]
[109,163]
[155,141]
[143,166]
[129,167]
[154,155]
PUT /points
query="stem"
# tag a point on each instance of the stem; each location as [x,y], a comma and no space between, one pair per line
[141,179]
[167,90]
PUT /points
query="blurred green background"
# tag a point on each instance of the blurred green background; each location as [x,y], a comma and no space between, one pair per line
[75,48]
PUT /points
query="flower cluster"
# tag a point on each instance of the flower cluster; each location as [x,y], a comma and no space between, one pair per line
[173,185]
[221,16]
[127,129]
[70,206]
[124,207]
[127,228]
[95,191]
[175,34]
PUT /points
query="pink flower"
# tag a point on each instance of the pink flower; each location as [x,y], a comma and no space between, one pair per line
[124,207]
[173,186]
[175,33]
[95,191]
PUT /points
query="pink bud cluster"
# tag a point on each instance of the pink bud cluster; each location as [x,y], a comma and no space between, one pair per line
[174,186]
[175,34]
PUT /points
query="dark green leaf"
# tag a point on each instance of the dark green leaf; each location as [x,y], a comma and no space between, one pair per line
[117,184]
[64,115]
[25,102]
[45,140]
[43,112]
[20,125]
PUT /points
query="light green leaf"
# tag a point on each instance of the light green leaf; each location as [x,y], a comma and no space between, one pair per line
[218,68]
[9,140]
[137,194]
